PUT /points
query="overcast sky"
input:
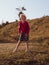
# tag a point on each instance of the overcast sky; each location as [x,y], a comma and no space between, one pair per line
[35,9]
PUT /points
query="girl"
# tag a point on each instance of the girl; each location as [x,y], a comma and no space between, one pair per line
[23,31]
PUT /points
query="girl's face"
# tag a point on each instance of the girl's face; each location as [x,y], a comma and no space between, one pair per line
[23,18]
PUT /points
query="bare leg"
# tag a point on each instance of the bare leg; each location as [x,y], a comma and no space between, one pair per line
[17,46]
[27,47]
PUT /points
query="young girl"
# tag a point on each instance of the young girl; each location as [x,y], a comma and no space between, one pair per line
[23,31]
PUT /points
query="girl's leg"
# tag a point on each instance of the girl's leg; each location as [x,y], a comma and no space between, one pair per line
[17,46]
[27,46]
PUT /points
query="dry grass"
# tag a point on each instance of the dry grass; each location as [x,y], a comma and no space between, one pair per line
[38,54]
[39,28]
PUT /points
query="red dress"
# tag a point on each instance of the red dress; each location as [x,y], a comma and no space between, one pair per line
[23,29]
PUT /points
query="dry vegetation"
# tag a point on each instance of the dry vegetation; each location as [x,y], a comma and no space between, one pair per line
[38,54]
[39,30]
[38,44]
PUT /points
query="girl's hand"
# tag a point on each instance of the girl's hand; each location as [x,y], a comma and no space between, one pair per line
[19,34]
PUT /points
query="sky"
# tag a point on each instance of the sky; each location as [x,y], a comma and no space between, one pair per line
[35,9]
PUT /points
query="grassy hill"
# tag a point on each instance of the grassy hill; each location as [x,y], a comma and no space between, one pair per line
[8,33]
[39,30]
[38,43]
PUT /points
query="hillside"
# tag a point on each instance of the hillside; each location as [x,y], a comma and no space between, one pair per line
[39,30]
[38,53]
